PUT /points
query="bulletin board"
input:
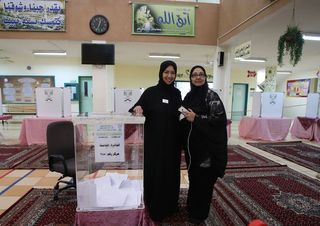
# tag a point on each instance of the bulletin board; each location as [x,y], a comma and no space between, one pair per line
[21,89]
[298,87]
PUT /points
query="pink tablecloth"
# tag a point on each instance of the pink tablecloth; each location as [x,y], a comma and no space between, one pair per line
[34,130]
[310,132]
[271,129]
[316,131]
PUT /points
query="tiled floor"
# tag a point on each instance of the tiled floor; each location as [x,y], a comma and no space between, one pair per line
[16,183]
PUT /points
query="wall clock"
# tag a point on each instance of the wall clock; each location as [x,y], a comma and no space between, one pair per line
[99,24]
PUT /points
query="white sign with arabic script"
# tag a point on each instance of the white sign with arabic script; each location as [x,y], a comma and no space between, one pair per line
[109,143]
[243,50]
[32,15]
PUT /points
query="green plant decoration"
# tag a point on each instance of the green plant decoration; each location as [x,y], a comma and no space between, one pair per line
[290,42]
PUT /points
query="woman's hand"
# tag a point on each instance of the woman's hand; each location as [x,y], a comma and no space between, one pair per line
[190,115]
[137,110]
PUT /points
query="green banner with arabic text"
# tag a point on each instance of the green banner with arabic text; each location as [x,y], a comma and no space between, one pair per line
[152,19]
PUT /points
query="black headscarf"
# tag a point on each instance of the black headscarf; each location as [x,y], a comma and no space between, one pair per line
[195,99]
[163,67]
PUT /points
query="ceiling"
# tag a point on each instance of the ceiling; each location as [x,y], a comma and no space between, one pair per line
[263,35]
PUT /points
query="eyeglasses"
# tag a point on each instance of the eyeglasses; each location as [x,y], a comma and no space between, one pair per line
[201,75]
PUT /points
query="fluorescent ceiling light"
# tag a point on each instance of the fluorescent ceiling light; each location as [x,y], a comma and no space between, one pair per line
[284,72]
[49,52]
[251,59]
[164,55]
[311,36]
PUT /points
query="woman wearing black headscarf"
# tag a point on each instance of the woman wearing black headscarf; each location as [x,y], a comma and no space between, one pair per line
[162,150]
[205,143]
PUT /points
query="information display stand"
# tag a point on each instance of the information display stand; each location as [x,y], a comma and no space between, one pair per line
[109,162]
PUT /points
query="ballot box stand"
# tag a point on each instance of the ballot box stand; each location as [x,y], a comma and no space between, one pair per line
[109,162]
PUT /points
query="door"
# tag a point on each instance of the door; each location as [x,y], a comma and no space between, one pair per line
[239,101]
[85,99]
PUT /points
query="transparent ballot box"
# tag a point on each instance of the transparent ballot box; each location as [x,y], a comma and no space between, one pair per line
[109,162]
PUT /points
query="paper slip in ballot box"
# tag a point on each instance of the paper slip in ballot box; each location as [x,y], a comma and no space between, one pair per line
[109,162]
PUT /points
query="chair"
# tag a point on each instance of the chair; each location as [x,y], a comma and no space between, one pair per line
[61,153]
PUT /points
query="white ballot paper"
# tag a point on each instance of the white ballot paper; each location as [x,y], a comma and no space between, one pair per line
[113,190]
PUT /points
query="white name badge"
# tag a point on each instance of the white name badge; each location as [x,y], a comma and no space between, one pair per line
[165,101]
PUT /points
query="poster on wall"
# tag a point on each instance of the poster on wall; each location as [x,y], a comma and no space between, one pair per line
[32,15]
[156,19]
[21,89]
[298,88]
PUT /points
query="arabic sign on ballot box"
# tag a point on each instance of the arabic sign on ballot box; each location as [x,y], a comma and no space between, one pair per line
[109,145]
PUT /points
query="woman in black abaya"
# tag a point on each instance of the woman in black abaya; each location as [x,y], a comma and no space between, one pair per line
[162,150]
[205,143]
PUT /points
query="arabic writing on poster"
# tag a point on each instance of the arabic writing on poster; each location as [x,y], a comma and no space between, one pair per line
[40,15]
[162,19]
[109,143]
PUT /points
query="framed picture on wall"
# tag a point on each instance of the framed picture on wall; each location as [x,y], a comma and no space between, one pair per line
[298,87]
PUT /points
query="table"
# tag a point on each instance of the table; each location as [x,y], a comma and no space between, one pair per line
[306,128]
[34,129]
[4,118]
[271,129]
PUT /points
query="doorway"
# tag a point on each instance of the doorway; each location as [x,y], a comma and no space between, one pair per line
[85,98]
[239,101]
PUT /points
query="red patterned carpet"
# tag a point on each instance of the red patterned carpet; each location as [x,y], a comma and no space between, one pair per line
[300,153]
[240,157]
[36,157]
[14,156]
[277,195]
[38,208]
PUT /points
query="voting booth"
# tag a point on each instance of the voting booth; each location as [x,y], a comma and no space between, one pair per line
[256,104]
[272,104]
[53,102]
[109,162]
[312,108]
[124,99]
[267,104]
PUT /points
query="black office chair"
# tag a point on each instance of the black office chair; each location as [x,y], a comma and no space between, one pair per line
[61,153]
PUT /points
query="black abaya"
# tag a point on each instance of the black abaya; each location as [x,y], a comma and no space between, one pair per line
[162,149]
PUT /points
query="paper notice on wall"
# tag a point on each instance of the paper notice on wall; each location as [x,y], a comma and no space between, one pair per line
[109,143]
